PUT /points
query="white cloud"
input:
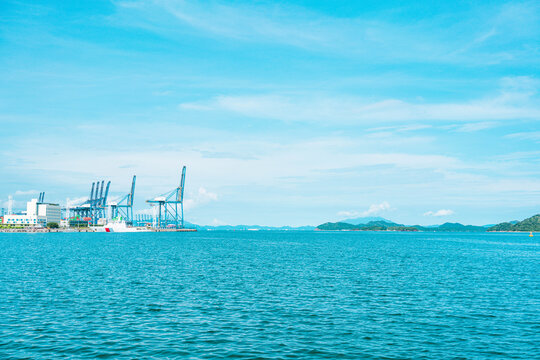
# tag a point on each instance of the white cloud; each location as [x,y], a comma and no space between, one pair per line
[472,127]
[507,105]
[14,203]
[529,135]
[206,195]
[241,23]
[280,172]
[26,192]
[519,155]
[349,214]
[372,210]
[268,163]
[75,201]
[113,199]
[400,128]
[203,196]
[217,222]
[442,212]
[372,37]
[376,209]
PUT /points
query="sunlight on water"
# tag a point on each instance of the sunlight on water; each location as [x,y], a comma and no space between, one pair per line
[295,295]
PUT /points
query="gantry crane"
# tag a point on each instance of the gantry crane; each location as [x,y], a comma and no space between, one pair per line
[167,215]
[95,207]
[124,207]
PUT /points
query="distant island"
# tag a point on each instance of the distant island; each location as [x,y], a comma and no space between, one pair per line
[380,224]
[530,224]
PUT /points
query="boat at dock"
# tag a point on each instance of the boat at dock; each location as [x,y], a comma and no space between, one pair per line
[120,226]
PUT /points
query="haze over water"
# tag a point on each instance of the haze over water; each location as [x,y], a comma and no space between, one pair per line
[294,295]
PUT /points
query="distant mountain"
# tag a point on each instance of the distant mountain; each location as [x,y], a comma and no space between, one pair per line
[506,226]
[386,225]
[458,228]
[250,227]
[337,226]
[383,223]
[379,225]
[363,220]
[244,227]
[529,224]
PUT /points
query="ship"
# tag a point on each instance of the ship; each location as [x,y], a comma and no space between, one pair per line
[120,226]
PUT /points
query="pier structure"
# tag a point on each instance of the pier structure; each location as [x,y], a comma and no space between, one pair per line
[124,207]
[166,212]
[142,220]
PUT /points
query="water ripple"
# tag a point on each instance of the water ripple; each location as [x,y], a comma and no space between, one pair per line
[269,295]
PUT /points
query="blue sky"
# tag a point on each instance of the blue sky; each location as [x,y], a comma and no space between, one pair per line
[285,112]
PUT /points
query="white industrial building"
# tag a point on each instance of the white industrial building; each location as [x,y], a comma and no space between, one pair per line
[37,214]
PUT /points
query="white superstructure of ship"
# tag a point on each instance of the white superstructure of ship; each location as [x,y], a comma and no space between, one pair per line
[120,225]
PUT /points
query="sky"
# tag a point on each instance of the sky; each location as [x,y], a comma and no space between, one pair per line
[284,112]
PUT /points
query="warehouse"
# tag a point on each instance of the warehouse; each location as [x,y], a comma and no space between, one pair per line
[36,214]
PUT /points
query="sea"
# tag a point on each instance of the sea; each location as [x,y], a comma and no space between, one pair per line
[270,295]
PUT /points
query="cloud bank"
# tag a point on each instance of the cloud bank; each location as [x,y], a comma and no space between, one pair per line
[442,212]
[508,104]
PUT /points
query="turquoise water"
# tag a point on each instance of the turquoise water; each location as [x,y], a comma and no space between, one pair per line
[270,295]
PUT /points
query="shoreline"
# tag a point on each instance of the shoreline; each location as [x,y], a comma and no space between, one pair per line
[436,232]
[82,230]
[89,230]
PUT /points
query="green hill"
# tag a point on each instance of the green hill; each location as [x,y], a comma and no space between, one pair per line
[378,225]
[391,226]
[402,228]
[381,223]
[505,226]
[529,224]
[336,226]
[364,220]
[459,227]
